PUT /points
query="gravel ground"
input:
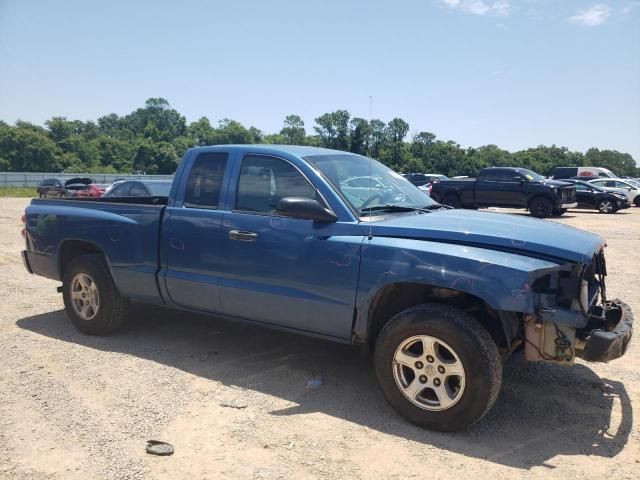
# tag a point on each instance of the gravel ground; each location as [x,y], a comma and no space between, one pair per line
[233,402]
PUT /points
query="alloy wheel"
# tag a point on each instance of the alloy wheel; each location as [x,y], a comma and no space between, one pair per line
[84,296]
[429,373]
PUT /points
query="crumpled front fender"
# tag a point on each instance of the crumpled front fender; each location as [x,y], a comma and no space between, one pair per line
[501,279]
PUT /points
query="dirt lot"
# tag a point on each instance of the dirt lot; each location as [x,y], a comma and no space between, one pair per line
[233,402]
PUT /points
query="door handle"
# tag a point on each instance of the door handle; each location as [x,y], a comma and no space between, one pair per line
[242,235]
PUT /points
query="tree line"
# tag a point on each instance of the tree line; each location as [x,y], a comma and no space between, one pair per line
[152,139]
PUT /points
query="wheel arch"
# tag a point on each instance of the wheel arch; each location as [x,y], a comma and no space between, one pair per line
[538,195]
[394,298]
[71,249]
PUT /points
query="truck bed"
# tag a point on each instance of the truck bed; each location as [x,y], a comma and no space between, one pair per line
[126,229]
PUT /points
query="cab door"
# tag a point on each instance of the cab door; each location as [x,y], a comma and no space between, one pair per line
[284,271]
[192,233]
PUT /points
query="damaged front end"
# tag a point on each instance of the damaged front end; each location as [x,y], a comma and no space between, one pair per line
[573,317]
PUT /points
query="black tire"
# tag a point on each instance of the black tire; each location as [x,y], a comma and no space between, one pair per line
[558,212]
[541,207]
[112,312]
[606,206]
[636,202]
[452,200]
[472,344]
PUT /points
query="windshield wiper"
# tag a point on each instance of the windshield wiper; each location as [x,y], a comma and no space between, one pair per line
[401,208]
[437,206]
[387,208]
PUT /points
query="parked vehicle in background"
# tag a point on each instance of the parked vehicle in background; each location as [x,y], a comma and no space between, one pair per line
[592,196]
[424,181]
[51,188]
[90,190]
[631,189]
[140,188]
[73,187]
[421,179]
[507,187]
[266,235]
[417,179]
[569,172]
[81,187]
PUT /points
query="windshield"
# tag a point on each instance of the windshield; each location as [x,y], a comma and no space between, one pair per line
[160,189]
[597,188]
[350,175]
[531,175]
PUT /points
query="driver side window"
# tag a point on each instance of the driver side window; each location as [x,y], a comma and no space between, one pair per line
[265,180]
[122,190]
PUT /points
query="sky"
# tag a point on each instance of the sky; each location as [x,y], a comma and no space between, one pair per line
[515,73]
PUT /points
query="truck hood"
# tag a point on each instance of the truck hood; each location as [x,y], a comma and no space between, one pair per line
[556,183]
[495,231]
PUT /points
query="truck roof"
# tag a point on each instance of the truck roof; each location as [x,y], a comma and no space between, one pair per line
[298,150]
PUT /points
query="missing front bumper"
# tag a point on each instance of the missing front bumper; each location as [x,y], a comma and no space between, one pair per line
[612,340]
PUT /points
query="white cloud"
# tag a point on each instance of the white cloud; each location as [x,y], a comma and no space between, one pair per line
[592,17]
[498,8]
[630,7]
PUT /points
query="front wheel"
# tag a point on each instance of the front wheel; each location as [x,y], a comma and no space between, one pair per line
[438,367]
[541,207]
[606,206]
[558,212]
[92,301]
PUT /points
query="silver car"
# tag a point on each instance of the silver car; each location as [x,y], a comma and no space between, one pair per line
[628,187]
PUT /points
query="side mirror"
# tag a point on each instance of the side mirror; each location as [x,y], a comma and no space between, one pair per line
[304,209]
[518,179]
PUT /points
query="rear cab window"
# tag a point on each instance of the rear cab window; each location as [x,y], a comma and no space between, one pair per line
[205,181]
[490,176]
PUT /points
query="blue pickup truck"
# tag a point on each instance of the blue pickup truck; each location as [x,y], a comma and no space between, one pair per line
[293,238]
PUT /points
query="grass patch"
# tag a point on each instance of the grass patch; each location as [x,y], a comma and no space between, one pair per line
[28,192]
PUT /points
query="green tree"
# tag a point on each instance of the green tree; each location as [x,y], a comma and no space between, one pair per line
[619,163]
[157,112]
[360,133]
[293,130]
[378,136]
[28,148]
[397,129]
[326,130]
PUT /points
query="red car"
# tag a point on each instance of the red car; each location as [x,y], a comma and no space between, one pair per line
[83,187]
[92,190]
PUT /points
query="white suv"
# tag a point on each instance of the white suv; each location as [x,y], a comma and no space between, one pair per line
[630,188]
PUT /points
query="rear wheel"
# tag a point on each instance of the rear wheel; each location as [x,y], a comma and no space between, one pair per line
[636,202]
[606,206]
[438,367]
[541,207]
[91,299]
[558,212]
[452,200]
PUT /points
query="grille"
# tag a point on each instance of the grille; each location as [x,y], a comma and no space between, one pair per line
[568,195]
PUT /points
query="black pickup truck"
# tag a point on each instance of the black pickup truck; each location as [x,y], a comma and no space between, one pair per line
[507,187]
